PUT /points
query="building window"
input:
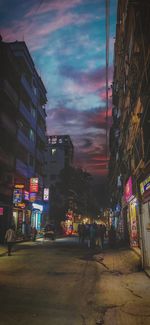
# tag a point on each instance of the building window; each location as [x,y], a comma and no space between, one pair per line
[31,135]
[54,140]
[53,152]
[33,112]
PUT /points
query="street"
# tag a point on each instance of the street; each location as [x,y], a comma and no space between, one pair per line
[65,283]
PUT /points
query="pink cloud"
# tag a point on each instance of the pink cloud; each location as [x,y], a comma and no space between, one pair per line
[55,5]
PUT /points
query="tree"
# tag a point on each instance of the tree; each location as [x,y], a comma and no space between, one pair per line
[76,187]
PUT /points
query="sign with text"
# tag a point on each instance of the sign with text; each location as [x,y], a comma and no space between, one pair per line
[1,211]
[34,182]
[46,194]
[128,190]
[33,197]
[145,185]
[26,195]
[17,195]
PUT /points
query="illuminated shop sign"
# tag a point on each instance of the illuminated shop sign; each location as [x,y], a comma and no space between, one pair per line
[37,206]
[26,195]
[145,185]
[33,197]
[1,211]
[34,182]
[46,194]
[128,190]
[17,195]
[19,185]
[20,205]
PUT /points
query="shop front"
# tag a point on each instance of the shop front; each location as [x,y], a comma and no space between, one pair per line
[133,216]
[21,211]
[36,216]
[145,220]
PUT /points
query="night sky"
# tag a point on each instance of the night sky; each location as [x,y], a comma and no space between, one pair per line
[66,39]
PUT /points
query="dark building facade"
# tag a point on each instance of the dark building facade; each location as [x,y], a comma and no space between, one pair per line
[60,154]
[22,136]
[129,166]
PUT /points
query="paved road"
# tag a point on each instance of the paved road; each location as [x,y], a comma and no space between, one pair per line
[63,283]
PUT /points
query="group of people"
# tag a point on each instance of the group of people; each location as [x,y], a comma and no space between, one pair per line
[94,234]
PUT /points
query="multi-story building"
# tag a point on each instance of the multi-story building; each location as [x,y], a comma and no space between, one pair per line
[23,134]
[129,168]
[59,155]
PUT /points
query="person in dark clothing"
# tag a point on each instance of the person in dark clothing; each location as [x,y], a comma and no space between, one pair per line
[93,233]
[81,232]
[34,233]
[102,232]
[112,236]
[10,238]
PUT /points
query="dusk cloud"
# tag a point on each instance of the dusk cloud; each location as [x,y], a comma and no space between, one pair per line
[66,39]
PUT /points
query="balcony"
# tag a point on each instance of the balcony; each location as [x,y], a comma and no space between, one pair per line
[9,91]
[28,116]
[26,142]
[29,90]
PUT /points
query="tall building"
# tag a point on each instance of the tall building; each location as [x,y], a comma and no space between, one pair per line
[22,135]
[59,155]
[129,168]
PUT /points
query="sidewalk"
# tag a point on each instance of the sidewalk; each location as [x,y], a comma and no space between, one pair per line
[123,292]
[3,250]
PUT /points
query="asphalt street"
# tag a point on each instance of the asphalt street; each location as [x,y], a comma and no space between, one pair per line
[65,283]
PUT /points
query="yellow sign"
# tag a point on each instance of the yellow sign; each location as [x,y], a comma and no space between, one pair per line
[20,205]
[19,186]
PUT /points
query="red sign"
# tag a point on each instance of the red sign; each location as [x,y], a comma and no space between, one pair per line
[128,190]
[34,185]
[1,211]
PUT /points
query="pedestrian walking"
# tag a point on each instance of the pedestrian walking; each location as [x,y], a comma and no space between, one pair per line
[93,231]
[81,232]
[98,237]
[34,233]
[102,231]
[10,238]
[112,236]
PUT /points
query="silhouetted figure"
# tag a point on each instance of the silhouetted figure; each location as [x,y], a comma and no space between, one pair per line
[34,233]
[93,233]
[81,232]
[112,236]
[10,238]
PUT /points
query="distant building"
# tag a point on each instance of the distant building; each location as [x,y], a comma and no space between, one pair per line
[60,152]
[22,134]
